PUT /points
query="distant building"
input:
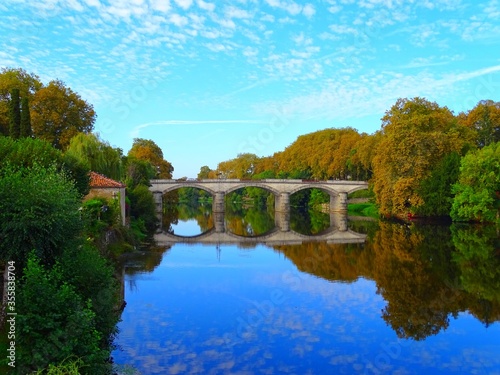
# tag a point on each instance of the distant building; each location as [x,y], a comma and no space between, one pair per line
[105,187]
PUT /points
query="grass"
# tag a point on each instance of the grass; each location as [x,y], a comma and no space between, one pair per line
[363,209]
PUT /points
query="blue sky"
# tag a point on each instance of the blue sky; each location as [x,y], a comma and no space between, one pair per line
[207,80]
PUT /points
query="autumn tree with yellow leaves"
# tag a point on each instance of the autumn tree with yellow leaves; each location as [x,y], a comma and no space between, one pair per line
[416,135]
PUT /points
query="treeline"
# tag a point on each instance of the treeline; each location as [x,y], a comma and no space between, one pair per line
[424,160]
[63,247]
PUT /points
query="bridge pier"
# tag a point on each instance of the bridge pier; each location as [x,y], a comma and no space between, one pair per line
[282,202]
[338,203]
[158,198]
[219,223]
[282,220]
[338,220]
[218,204]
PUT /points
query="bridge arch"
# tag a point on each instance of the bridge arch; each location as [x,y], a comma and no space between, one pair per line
[327,189]
[254,184]
[185,185]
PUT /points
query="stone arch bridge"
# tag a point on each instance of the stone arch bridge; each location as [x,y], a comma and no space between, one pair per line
[282,189]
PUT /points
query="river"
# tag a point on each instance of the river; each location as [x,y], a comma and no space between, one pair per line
[408,299]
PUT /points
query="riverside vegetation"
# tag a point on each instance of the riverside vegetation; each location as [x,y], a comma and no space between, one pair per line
[424,161]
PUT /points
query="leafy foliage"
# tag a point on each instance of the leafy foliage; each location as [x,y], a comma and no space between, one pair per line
[142,206]
[96,155]
[25,125]
[416,135]
[148,150]
[14,114]
[38,211]
[26,152]
[484,119]
[436,190]
[138,172]
[56,322]
[58,114]
[84,263]
[10,79]
[478,188]
[478,259]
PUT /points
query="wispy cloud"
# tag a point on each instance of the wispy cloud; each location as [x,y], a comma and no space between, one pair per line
[135,132]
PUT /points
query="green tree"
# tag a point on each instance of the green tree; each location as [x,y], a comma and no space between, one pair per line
[78,266]
[26,152]
[142,207]
[38,211]
[10,78]
[436,190]
[58,114]
[55,322]
[478,189]
[14,114]
[138,172]
[96,154]
[25,125]
[204,172]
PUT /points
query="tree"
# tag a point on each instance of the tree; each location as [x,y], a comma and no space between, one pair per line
[10,78]
[58,114]
[436,190]
[143,207]
[26,152]
[25,125]
[416,134]
[204,172]
[138,172]
[38,211]
[477,193]
[146,149]
[14,114]
[484,118]
[242,166]
[96,154]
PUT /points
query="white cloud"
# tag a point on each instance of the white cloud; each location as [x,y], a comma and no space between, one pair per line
[290,6]
[309,10]
[343,29]
[206,6]
[160,5]
[234,12]
[184,4]
[217,47]
[178,20]
[334,9]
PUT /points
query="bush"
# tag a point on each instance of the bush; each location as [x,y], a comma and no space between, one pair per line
[55,322]
[38,211]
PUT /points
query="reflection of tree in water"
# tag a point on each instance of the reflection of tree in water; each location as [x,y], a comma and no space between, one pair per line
[143,261]
[250,221]
[477,255]
[308,222]
[424,278]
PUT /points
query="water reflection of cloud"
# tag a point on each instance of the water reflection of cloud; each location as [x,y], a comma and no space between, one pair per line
[331,326]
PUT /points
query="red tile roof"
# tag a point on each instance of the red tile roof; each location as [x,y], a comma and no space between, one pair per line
[99,181]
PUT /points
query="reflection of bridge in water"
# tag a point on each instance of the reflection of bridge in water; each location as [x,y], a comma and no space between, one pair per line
[338,232]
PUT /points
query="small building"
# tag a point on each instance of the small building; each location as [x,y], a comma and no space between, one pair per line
[105,187]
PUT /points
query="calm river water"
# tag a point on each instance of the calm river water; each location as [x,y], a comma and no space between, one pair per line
[408,299]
